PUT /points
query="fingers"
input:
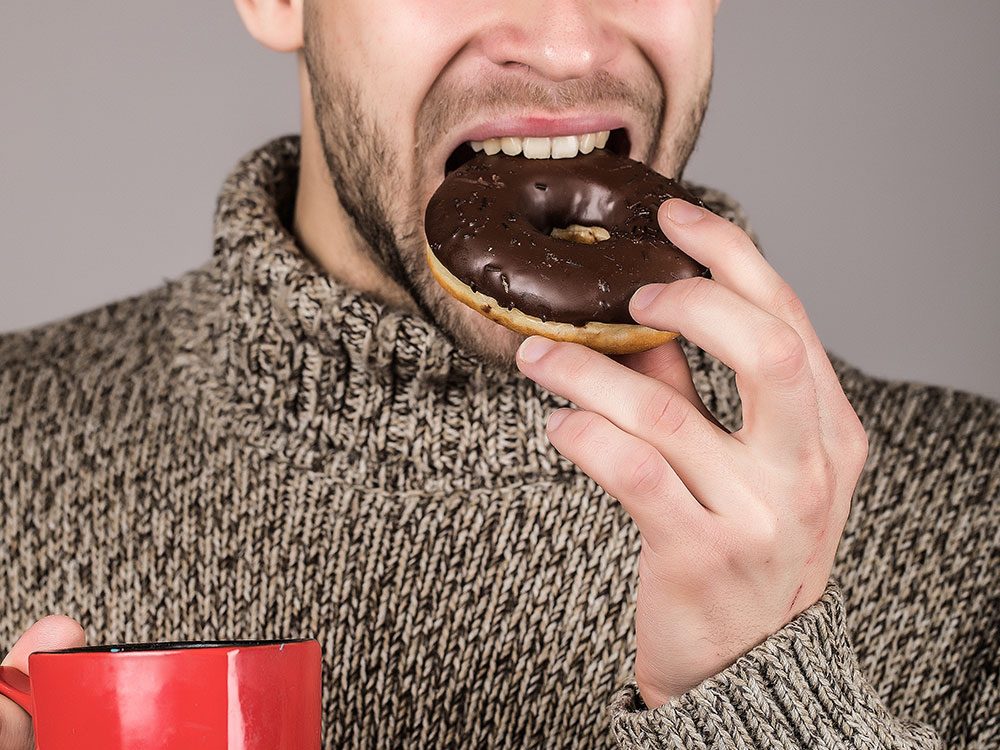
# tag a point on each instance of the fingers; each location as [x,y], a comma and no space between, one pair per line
[737,264]
[774,379]
[15,727]
[48,634]
[629,469]
[733,258]
[53,632]
[668,364]
[650,410]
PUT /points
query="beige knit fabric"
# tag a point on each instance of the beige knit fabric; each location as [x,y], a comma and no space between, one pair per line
[254,451]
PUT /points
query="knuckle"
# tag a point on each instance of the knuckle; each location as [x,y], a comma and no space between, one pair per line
[841,511]
[664,411]
[584,430]
[576,364]
[818,483]
[763,531]
[645,477]
[694,291]
[822,474]
[855,439]
[756,538]
[734,241]
[783,354]
[849,436]
[788,304]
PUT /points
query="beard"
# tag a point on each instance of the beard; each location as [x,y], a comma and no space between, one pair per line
[381,189]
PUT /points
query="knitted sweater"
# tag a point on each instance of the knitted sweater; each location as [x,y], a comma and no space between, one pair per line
[255,451]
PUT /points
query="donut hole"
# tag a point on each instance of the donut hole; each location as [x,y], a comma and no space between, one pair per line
[580,234]
[571,208]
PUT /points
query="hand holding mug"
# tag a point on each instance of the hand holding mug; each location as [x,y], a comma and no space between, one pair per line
[49,633]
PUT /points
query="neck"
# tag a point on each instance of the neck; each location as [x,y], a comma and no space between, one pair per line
[323,228]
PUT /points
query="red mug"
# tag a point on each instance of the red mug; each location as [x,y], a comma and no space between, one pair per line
[231,695]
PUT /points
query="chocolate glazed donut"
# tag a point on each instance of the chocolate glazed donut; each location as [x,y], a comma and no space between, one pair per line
[488,232]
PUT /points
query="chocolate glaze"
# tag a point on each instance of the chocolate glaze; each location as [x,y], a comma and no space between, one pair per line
[490,219]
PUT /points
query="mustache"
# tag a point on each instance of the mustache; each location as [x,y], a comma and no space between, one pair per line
[448,104]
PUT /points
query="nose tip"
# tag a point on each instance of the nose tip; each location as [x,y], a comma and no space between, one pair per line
[562,60]
[557,41]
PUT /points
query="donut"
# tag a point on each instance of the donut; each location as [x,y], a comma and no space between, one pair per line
[556,247]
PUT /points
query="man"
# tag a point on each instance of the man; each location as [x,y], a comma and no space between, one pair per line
[308,436]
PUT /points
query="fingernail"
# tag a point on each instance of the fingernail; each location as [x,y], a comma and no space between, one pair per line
[556,418]
[645,296]
[534,348]
[680,211]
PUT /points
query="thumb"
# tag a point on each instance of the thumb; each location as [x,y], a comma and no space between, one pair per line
[49,633]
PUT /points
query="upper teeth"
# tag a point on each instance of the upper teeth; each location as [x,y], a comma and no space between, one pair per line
[560,147]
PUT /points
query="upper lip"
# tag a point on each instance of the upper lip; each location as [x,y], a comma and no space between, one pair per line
[541,126]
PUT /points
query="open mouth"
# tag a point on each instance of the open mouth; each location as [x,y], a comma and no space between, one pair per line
[558,147]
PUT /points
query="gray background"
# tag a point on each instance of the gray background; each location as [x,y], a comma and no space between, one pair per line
[861,137]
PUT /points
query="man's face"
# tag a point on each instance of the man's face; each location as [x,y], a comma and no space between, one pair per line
[399,86]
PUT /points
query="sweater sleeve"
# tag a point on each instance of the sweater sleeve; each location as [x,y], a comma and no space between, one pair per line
[800,688]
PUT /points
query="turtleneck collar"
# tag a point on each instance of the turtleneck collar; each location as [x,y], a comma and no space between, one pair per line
[314,373]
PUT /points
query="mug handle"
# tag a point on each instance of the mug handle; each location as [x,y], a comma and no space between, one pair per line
[16,685]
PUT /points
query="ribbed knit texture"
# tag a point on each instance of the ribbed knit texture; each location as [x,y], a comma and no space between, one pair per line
[254,451]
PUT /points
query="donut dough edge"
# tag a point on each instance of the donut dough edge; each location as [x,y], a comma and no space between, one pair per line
[607,338]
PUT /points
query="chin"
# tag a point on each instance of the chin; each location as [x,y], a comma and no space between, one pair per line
[490,342]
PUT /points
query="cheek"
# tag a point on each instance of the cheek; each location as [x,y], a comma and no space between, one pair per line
[387,49]
[399,46]
[677,37]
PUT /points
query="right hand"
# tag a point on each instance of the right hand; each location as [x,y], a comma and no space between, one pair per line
[49,633]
